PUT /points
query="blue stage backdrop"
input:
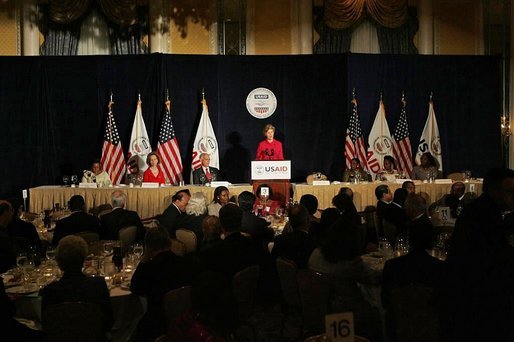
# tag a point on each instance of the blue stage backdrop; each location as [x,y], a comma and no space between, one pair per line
[54,108]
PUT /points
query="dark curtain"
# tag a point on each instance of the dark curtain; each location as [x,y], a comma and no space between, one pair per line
[331,40]
[61,40]
[53,108]
[127,40]
[399,40]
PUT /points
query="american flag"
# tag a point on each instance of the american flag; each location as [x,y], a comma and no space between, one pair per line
[355,147]
[113,160]
[168,149]
[402,148]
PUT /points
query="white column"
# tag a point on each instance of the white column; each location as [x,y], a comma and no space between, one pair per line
[30,29]
[426,27]
[159,26]
[306,27]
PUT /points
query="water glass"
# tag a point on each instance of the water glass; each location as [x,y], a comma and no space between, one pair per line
[138,250]
[50,252]
[65,179]
[108,248]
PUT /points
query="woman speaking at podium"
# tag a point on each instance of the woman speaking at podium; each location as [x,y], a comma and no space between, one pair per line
[269,148]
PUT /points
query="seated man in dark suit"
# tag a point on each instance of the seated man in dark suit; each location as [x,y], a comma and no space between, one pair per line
[256,226]
[170,216]
[74,286]
[388,211]
[22,233]
[206,173]
[119,217]
[416,268]
[457,199]
[7,253]
[298,244]
[159,272]
[78,221]
[235,252]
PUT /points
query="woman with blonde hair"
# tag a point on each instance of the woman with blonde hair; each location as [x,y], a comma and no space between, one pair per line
[269,148]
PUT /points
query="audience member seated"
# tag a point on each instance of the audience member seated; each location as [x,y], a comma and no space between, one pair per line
[409,186]
[356,173]
[206,173]
[78,221]
[399,197]
[158,272]
[346,190]
[221,196]
[265,205]
[74,286]
[96,175]
[388,172]
[119,217]
[298,244]
[211,229]
[339,258]
[154,173]
[416,268]
[428,168]
[345,205]
[328,217]
[7,253]
[196,211]
[235,252]
[388,211]
[174,211]
[481,264]
[255,226]
[23,234]
[457,199]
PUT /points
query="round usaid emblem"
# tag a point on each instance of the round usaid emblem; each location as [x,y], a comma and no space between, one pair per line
[261,103]
[207,145]
[383,145]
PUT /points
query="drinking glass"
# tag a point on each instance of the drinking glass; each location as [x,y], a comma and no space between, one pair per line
[65,179]
[108,248]
[50,253]
[138,250]
[467,175]
[74,179]
[21,259]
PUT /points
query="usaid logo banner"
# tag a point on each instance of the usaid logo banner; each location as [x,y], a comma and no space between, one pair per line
[261,103]
[271,169]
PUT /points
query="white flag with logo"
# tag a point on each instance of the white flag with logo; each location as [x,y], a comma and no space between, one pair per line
[205,141]
[139,144]
[379,141]
[430,140]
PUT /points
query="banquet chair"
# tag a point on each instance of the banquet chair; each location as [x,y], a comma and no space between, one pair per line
[415,314]
[178,247]
[127,236]
[89,236]
[244,288]
[73,321]
[314,290]
[187,237]
[292,321]
[175,303]
[455,176]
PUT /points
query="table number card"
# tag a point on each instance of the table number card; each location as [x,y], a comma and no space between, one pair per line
[339,327]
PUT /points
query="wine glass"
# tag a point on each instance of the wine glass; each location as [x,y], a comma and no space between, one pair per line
[74,179]
[138,250]
[65,180]
[21,259]
[50,253]
[108,248]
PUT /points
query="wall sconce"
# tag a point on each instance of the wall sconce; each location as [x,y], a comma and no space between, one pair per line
[505,126]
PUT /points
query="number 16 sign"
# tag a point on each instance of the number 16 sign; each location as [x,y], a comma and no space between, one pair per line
[339,327]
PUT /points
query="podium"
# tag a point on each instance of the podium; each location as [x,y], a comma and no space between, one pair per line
[276,174]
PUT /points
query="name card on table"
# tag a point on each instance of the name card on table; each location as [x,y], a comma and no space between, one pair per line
[271,169]
[215,184]
[321,182]
[402,180]
[443,181]
[88,185]
[339,327]
[150,185]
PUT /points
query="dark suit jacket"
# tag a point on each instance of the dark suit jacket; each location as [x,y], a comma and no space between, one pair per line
[392,213]
[76,287]
[233,254]
[153,279]
[77,222]
[169,219]
[23,234]
[296,245]
[256,226]
[118,218]
[199,176]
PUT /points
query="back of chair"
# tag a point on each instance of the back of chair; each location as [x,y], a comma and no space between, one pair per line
[188,237]
[127,236]
[178,247]
[73,321]
[314,289]
[176,302]
[287,271]
[244,288]
[415,314]
[89,236]
[455,176]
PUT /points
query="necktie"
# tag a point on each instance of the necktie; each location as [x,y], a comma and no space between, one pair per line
[208,174]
